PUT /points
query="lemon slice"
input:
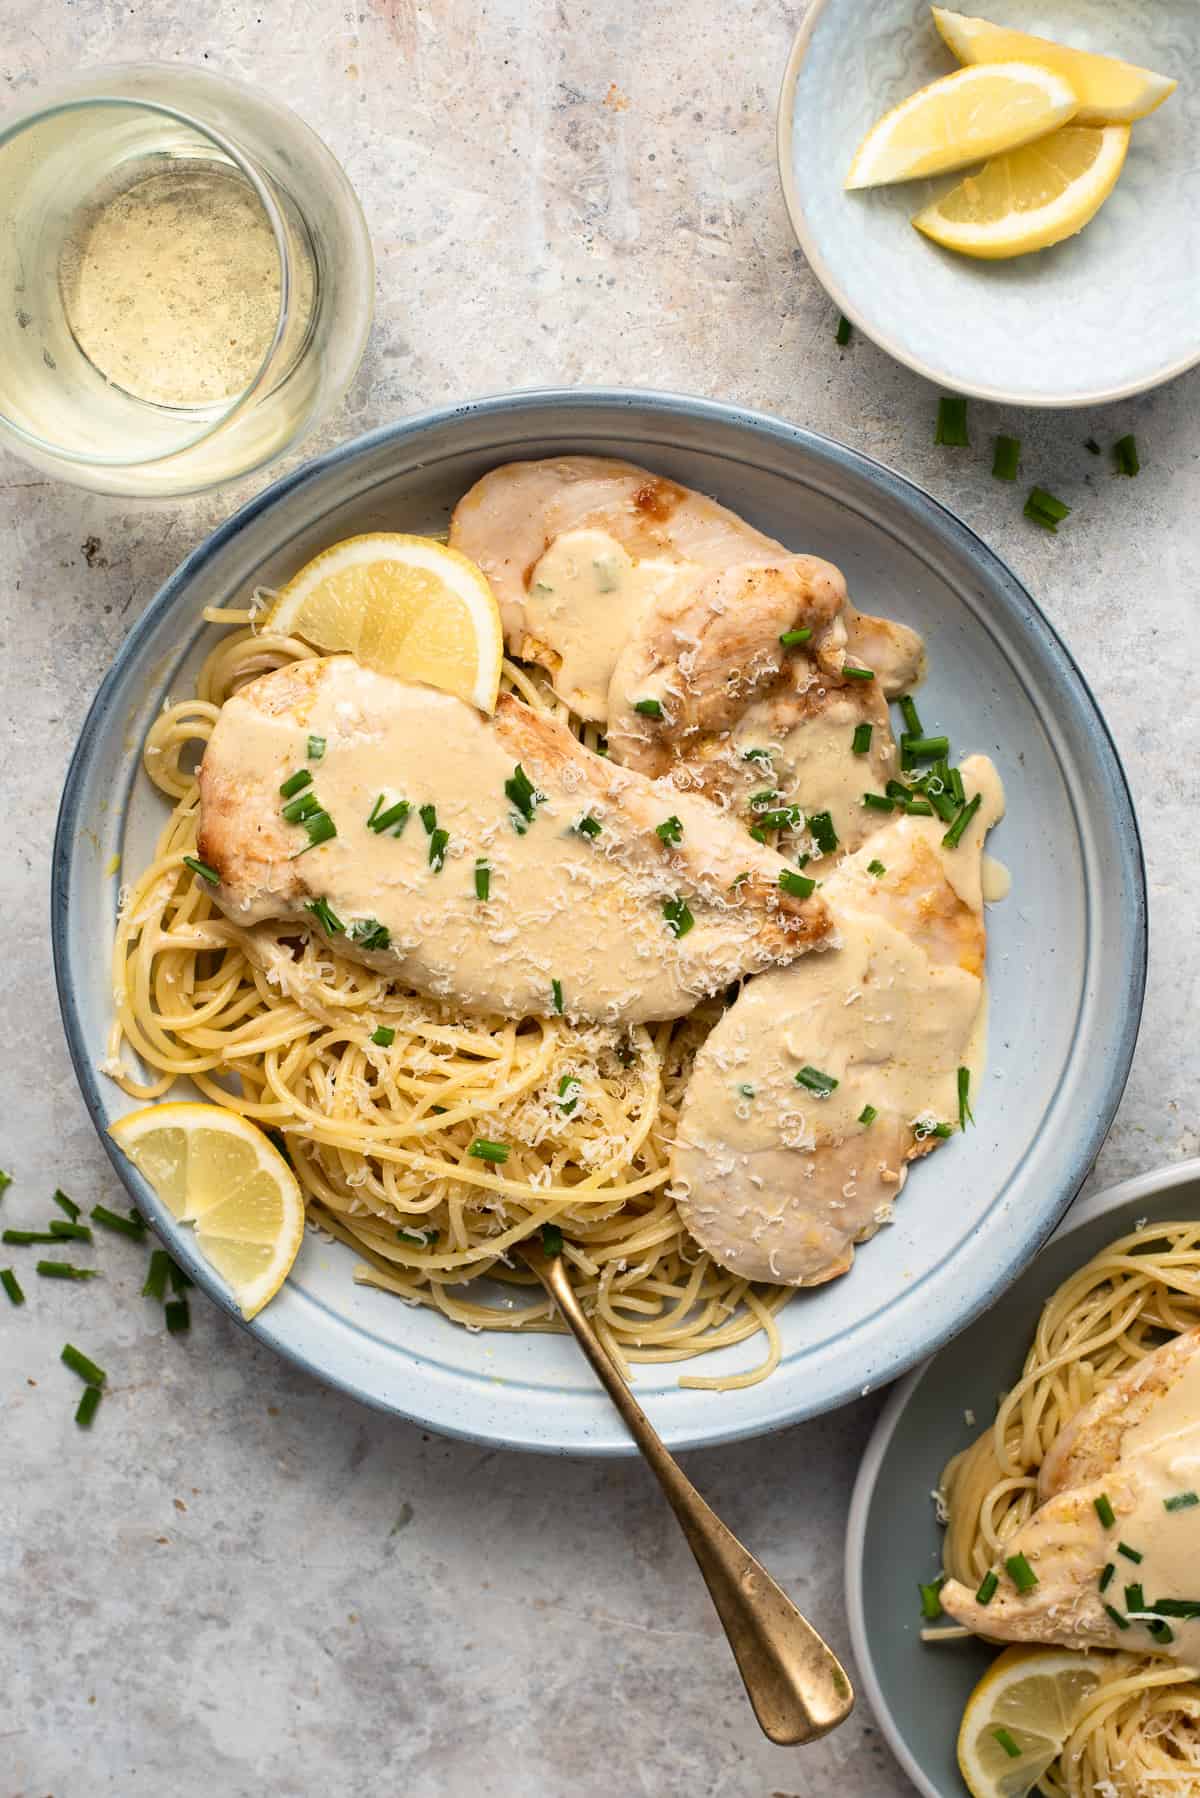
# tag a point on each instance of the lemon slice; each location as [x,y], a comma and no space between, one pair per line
[1110,92]
[960,119]
[216,1170]
[1030,198]
[401,605]
[1033,1696]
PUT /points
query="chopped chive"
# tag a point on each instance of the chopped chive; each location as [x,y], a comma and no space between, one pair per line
[483,878]
[987,1588]
[942,1131]
[369,933]
[321,829]
[1107,1575]
[896,789]
[798,885]
[1121,1622]
[670,830]
[1131,1554]
[860,742]
[756,755]
[1091,446]
[429,812]
[483,1150]
[918,808]
[957,790]
[925,749]
[952,422]
[1021,1573]
[552,1240]
[79,1363]
[590,827]
[678,917]
[649,708]
[746,1090]
[297,810]
[556,994]
[87,1407]
[374,812]
[1126,453]
[569,1089]
[823,834]
[876,868]
[842,334]
[63,1231]
[155,1286]
[437,850]
[395,814]
[1008,1742]
[112,1220]
[867,1116]
[1176,1607]
[23,1238]
[180,1282]
[5,1182]
[295,783]
[761,802]
[965,1114]
[11,1285]
[739,880]
[325,915]
[911,716]
[65,1270]
[1162,1632]
[1135,1598]
[521,790]
[1044,509]
[783,817]
[943,805]
[1183,1501]
[793,639]
[202,869]
[759,835]
[384,1036]
[178,1316]
[1007,458]
[316,749]
[878,802]
[421,1242]
[954,835]
[64,1203]
[815,1081]
[849,673]
[931,1601]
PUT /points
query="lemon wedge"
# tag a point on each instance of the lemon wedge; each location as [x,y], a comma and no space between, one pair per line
[1030,198]
[1032,1696]
[216,1170]
[962,118]
[1110,92]
[401,605]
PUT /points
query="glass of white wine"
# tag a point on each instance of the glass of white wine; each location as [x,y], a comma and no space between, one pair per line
[186,281]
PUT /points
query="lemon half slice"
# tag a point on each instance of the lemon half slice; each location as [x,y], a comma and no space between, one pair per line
[1032,1696]
[1110,92]
[216,1170]
[962,118]
[401,605]
[1030,198]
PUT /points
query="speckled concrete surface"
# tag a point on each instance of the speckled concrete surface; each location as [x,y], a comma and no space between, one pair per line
[240,1583]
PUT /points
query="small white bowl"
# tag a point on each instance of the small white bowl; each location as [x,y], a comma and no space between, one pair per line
[1108,313]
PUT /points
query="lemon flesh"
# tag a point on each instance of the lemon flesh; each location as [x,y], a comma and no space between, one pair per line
[1030,198]
[1110,92]
[408,606]
[1034,1695]
[217,1171]
[964,117]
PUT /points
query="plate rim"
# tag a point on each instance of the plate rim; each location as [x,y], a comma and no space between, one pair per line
[794,207]
[1135,1188]
[597,402]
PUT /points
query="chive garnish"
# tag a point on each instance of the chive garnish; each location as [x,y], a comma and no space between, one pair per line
[761,802]
[957,790]
[178,1316]
[918,808]
[1135,1598]
[954,835]
[156,1280]
[1126,453]
[1131,1554]
[842,334]
[746,1090]
[295,783]
[1106,1576]
[374,811]
[202,869]
[1162,1632]
[1183,1501]
[64,1231]
[1044,509]
[931,1601]
[12,1286]
[1008,1743]
[429,812]
[798,885]
[876,868]
[1176,1607]
[759,835]
[756,755]
[1007,458]
[670,830]
[483,1150]
[421,1242]
[552,1240]
[437,850]
[64,1203]
[942,1131]
[965,1114]
[878,802]
[521,790]
[860,742]
[739,880]
[943,805]
[384,1036]
[783,817]
[793,639]
[556,994]
[5,1182]
[316,748]
[1021,1573]
[87,1407]
[80,1363]
[483,878]
[952,422]
[1121,1622]
[823,834]
[394,814]
[569,1089]
[325,915]
[867,1115]
[179,1280]
[678,917]
[297,810]
[65,1270]
[911,716]
[589,826]
[369,933]
[23,1238]
[849,673]
[321,829]
[649,708]
[815,1081]
[924,749]
[987,1588]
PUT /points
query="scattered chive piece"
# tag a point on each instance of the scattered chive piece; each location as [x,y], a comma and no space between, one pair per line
[867,1115]
[1121,1622]
[1092,447]
[65,1270]
[815,1081]
[1106,1576]
[437,850]
[756,755]
[5,1181]
[569,1090]
[64,1203]
[942,1131]
[820,824]
[87,1407]
[395,814]
[1177,1607]
[63,1231]
[178,1316]
[944,806]
[590,827]
[860,742]
[369,933]
[374,812]
[156,1280]
[1131,1554]
[112,1220]
[79,1363]
[952,422]
[23,1238]
[1044,509]
[759,835]
[954,835]
[483,878]
[649,708]
[911,716]
[918,808]
[325,915]
[761,802]
[321,829]
[793,639]
[965,1114]
[1021,1573]
[483,1150]
[1162,1632]
[925,749]
[842,334]
[422,1242]
[295,783]
[957,790]
[1008,1742]
[987,1588]
[552,1240]
[879,802]
[384,1036]
[1007,458]
[931,1602]
[316,748]
[429,812]
[739,880]
[896,789]
[849,673]
[678,917]
[783,817]
[1183,1501]
[746,1090]
[798,885]
[12,1286]
[670,830]
[202,869]
[1135,1598]
[876,868]
[556,994]
[521,790]
[1125,451]
[307,805]
[179,1280]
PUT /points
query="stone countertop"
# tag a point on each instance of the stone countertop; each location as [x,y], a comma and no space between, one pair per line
[240,1582]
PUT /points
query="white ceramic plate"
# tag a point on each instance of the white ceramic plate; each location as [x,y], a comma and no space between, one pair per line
[1067,952]
[1108,313]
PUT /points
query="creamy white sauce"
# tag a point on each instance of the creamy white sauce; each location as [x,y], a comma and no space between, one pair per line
[997,880]
[1161,1457]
